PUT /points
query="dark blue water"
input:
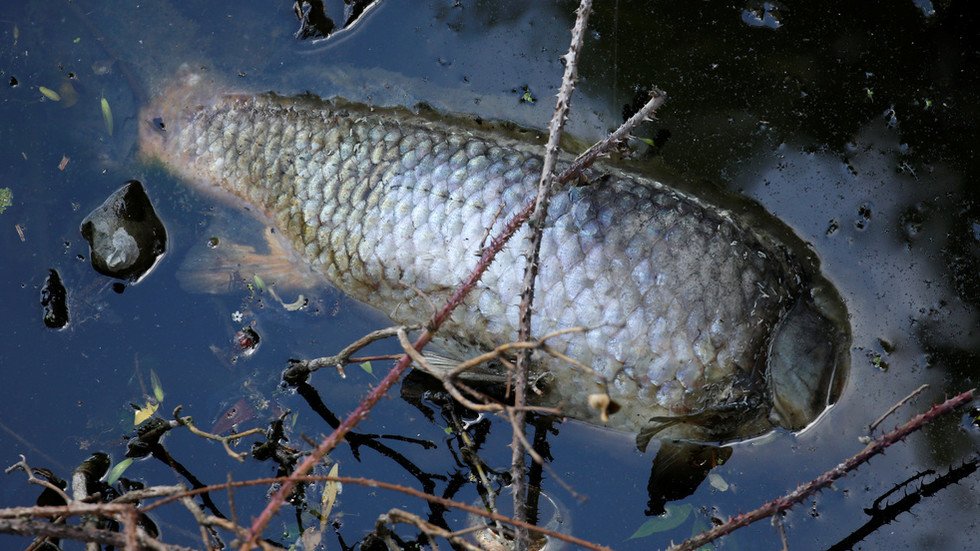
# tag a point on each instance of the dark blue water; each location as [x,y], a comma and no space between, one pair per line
[855,126]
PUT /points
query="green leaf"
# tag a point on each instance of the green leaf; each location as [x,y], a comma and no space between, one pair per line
[674,517]
[366,366]
[49,93]
[107,115]
[259,282]
[117,470]
[647,141]
[157,387]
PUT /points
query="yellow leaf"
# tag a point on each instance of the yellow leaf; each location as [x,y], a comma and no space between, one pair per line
[49,93]
[107,115]
[145,412]
[330,492]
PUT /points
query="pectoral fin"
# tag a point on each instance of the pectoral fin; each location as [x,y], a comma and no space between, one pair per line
[224,264]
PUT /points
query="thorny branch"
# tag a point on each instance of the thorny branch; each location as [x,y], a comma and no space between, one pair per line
[784,503]
[532,256]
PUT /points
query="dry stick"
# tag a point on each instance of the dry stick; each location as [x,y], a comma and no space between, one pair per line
[801,493]
[237,456]
[28,527]
[398,516]
[371,483]
[22,464]
[343,357]
[532,254]
[893,409]
[497,244]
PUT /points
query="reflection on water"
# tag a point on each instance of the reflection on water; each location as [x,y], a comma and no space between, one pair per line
[853,125]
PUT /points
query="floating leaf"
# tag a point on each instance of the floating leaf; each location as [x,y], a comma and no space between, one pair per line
[717,482]
[157,387]
[366,366]
[107,115]
[259,282]
[674,517]
[330,493]
[49,93]
[6,198]
[310,538]
[145,412]
[117,470]
[64,162]
[527,96]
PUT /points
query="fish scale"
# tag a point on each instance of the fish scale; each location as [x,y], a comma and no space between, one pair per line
[681,301]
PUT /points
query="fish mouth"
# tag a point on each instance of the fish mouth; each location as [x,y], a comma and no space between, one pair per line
[807,362]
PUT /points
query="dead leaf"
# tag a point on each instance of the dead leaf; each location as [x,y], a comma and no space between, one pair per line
[330,492]
[63,163]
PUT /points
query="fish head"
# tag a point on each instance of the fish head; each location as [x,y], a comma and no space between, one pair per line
[807,361]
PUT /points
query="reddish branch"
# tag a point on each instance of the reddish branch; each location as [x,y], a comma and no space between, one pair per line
[371,483]
[784,503]
[497,244]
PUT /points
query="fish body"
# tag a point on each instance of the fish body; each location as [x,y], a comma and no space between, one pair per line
[686,308]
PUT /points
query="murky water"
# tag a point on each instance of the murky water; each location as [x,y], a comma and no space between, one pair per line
[855,126]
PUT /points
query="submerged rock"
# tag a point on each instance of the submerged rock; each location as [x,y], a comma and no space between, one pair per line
[54,301]
[125,236]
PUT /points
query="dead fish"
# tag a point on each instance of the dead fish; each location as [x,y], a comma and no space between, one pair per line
[701,325]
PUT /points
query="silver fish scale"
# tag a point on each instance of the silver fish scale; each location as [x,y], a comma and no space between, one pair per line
[393,208]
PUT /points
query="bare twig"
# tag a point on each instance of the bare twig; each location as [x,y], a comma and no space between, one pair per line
[893,409]
[398,516]
[300,369]
[450,379]
[29,527]
[371,483]
[781,504]
[532,256]
[22,464]
[134,496]
[225,440]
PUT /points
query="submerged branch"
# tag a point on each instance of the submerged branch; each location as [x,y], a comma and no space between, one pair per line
[784,503]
